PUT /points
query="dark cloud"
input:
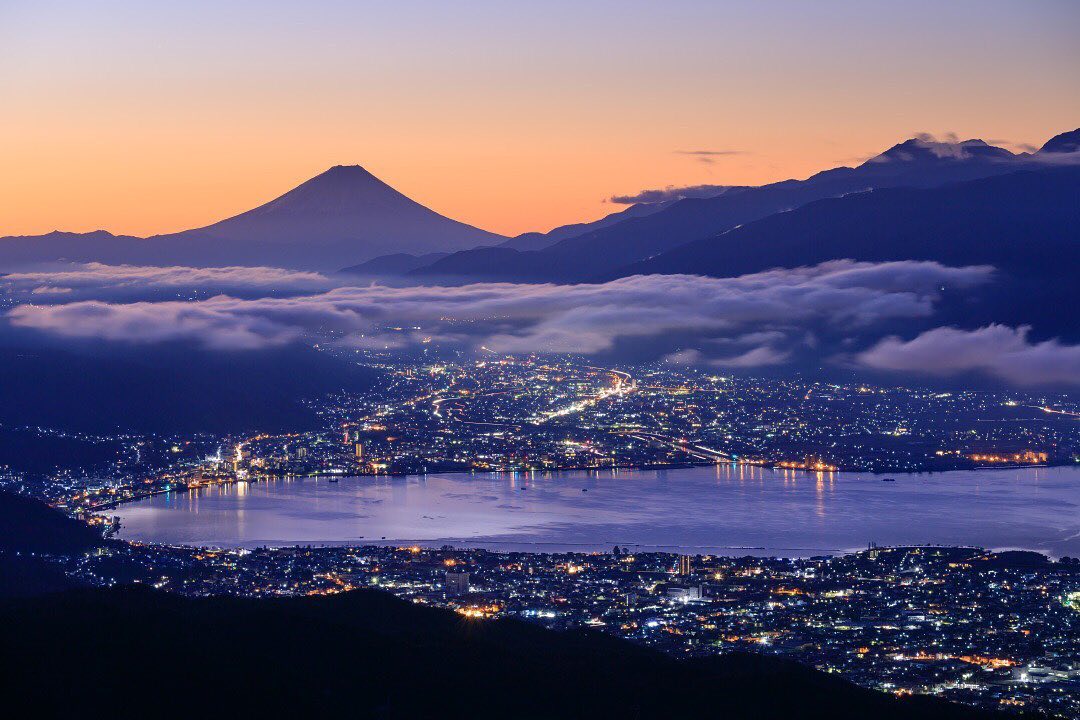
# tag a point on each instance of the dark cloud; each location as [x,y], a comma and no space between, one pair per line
[747,321]
[671,193]
[995,350]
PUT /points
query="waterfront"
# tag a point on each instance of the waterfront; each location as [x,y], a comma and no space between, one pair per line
[724,509]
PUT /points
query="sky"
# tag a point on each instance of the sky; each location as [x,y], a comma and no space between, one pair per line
[146,117]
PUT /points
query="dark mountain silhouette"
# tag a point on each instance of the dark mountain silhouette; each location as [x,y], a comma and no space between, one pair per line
[917,163]
[1026,224]
[1066,142]
[399,264]
[173,387]
[21,251]
[31,526]
[345,215]
[368,654]
[539,241]
[28,576]
[392,265]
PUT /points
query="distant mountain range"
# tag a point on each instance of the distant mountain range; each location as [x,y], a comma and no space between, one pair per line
[348,219]
[1027,221]
[1025,224]
[398,264]
[623,247]
[344,215]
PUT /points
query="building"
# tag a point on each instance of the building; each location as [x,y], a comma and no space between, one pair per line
[686,565]
[456,583]
[684,594]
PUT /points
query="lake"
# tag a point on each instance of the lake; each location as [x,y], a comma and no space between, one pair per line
[723,509]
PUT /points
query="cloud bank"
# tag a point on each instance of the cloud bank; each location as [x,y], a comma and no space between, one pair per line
[748,321]
[101,280]
[996,350]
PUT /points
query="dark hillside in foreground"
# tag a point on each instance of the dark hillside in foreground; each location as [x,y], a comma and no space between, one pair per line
[168,388]
[31,526]
[368,654]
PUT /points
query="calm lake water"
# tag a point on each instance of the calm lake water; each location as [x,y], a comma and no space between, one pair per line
[721,509]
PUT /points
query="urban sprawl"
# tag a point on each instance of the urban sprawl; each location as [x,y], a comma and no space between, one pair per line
[997,630]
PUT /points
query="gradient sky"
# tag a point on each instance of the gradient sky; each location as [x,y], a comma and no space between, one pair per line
[144,117]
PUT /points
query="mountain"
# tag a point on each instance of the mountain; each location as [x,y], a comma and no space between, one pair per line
[24,251]
[345,215]
[1026,224]
[401,264]
[31,526]
[539,241]
[167,388]
[392,265]
[367,654]
[917,163]
[1066,142]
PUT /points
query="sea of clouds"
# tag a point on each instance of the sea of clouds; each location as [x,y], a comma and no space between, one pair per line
[844,310]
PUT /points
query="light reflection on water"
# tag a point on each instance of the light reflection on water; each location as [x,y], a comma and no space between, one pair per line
[724,508]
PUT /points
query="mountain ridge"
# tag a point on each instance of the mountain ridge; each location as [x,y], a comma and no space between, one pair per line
[917,162]
[345,217]
[344,213]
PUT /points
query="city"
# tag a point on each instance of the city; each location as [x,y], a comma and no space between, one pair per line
[510,413]
[536,360]
[996,630]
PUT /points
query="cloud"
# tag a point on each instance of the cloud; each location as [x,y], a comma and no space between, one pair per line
[948,145]
[755,357]
[109,281]
[708,156]
[212,323]
[671,192]
[1056,158]
[757,319]
[996,350]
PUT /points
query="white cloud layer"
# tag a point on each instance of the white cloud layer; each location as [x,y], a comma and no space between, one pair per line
[997,350]
[103,280]
[746,321]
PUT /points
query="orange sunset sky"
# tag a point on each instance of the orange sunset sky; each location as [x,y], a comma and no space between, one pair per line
[144,117]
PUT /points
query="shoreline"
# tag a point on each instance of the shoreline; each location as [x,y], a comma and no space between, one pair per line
[585,469]
[507,534]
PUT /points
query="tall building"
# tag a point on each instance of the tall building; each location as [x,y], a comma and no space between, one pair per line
[686,565]
[359,450]
[456,583]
